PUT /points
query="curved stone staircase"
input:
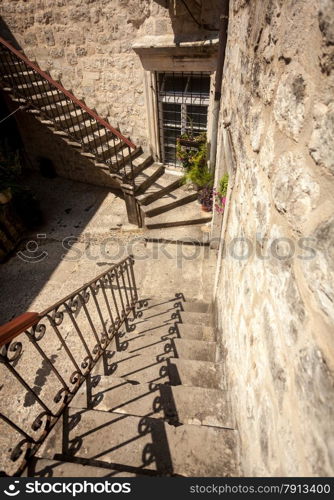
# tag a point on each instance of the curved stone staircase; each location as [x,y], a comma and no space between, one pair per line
[160,200]
[153,405]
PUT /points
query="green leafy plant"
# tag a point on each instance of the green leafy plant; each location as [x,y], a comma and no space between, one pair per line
[223,183]
[220,195]
[187,147]
[198,173]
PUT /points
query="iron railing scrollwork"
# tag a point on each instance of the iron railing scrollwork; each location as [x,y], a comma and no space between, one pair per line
[45,364]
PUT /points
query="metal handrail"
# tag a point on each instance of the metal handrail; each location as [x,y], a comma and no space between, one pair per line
[83,324]
[67,93]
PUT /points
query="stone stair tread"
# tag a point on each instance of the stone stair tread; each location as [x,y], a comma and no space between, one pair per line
[177,234]
[43,467]
[150,344]
[193,317]
[163,182]
[147,177]
[202,406]
[169,201]
[190,213]
[197,350]
[177,404]
[195,332]
[171,316]
[149,332]
[193,373]
[118,395]
[170,302]
[141,442]
[133,367]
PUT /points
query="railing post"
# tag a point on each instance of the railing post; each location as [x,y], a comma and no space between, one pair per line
[132,205]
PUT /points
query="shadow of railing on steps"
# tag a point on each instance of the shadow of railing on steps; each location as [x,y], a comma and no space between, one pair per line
[46,357]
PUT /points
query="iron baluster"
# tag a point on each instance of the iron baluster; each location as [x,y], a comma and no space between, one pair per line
[88,360]
[94,288]
[119,319]
[104,282]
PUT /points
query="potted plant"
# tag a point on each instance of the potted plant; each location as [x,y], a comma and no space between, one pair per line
[205,197]
[219,196]
[187,147]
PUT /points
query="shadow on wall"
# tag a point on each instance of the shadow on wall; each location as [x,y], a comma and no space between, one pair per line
[193,20]
[7,34]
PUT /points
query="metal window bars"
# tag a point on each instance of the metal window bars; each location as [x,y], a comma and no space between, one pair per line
[28,83]
[183,100]
[44,358]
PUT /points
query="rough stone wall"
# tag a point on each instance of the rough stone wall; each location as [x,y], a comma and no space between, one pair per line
[274,296]
[87,44]
[40,142]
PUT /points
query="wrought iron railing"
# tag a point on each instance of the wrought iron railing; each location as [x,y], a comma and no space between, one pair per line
[67,113]
[44,358]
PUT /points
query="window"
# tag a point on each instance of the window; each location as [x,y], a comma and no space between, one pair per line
[183,100]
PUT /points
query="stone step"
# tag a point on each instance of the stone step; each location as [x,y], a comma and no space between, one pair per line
[169,201]
[134,367]
[177,302]
[71,119]
[197,350]
[139,164]
[195,332]
[108,146]
[87,125]
[58,108]
[43,467]
[34,86]
[49,97]
[200,406]
[23,75]
[143,443]
[162,317]
[178,404]
[181,216]
[197,234]
[153,344]
[192,373]
[165,184]
[153,331]
[147,177]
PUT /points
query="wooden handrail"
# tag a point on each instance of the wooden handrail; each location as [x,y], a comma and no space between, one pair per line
[18,325]
[67,93]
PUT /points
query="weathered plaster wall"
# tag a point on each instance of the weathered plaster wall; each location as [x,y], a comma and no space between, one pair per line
[87,44]
[275,299]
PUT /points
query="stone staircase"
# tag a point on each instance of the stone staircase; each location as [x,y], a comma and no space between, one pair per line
[162,199]
[153,405]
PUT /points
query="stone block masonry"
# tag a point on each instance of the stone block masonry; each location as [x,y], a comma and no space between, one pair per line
[275,309]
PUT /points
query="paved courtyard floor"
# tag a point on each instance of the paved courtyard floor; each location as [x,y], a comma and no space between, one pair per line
[85,231]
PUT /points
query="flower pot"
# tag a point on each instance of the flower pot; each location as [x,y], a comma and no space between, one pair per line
[190,143]
[205,208]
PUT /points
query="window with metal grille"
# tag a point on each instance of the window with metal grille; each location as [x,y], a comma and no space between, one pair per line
[183,100]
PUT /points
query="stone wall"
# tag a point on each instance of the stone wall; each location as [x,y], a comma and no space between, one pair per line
[41,143]
[87,44]
[275,291]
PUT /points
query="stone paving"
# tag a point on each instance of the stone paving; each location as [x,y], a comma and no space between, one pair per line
[94,221]
[85,231]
